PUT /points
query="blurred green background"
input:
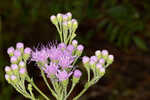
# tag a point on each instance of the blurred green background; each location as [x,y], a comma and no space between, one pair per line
[121,26]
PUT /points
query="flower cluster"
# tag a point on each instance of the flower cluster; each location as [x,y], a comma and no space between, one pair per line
[16,73]
[98,63]
[66,26]
[18,58]
[57,60]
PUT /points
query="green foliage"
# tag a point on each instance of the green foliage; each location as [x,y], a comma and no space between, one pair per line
[123,23]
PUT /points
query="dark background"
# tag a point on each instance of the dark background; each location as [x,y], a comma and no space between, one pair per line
[121,26]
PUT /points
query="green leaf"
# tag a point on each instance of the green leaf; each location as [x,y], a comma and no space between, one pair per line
[140,43]
[114,33]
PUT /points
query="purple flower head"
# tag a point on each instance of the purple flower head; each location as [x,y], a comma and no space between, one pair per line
[13,59]
[54,53]
[40,55]
[69,14]
[80,48]
[98,52]
[104,52]
[21,64]
[77,73]
[93,58]
[51,69]
[70,48]
[22,71]
[85,59]
[111,57]
[7,76]
[13,77]
[19,45]
[10,50]
[27,51]
[17,53]
[74,42]
[65,60]
[14,66]
[99,65]
[62,45]
[65,17]
[102,61]
[7,69]
[63,75]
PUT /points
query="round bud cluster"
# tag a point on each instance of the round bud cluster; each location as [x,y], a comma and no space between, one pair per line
[65,25]
[99,62]
[18,57]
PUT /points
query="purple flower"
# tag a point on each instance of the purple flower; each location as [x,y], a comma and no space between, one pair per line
[77,73]
[14,66]
[7,69]
[70,48]
[17,53]
[19,45]
[51,69]
[80,48]
[54,53]
[7,76]
[85,59]
[40,55]
[104,52]
[13,59]
[62,45]
[63,75]
[27,51]
[102,61]
[10,50]
[22,71]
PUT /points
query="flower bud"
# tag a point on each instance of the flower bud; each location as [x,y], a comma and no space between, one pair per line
[14,67]
[104,54]
[13,59]
[69,15]
[13,78]
[74,25]
[27,52]
[76,76]
[59,17]
[7,77]
[8,70]
[101,69]
[22,72]
[98,54]
[10,51]
[102,61]
[70,25]
[65,26]
[65,18]
[75,43]
[54,20]
[20,46]
[110,59]
[17,53]
[93,60]
[22,64]
[79,49]
[85,59]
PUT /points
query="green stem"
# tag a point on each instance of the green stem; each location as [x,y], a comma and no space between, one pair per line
[39,90]
[45,80]
[72,87]
[80,94]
